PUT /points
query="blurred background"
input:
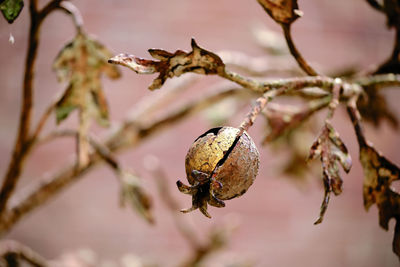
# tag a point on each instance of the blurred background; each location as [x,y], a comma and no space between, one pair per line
[275,216]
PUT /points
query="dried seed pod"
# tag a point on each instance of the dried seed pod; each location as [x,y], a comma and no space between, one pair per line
[221,164]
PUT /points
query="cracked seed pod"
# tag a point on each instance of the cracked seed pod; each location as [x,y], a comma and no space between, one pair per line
[220,165]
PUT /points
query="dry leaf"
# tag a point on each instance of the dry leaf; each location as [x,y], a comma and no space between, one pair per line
[169,64]
[282,11]
[379,174]
[133,193]
[332,151]
[81,63]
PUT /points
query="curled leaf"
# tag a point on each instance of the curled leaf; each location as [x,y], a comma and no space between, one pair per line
[169,64]
[332,152]
[81,63]
[282,11]
[11,9]
[133,194]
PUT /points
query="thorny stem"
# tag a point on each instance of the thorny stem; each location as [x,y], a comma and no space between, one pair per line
[296,54]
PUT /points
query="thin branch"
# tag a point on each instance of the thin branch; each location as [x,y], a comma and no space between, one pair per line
[22,144]
[336,91]
[48,8]
[375,5]
[296,54]
[261,102]
[379,81]
[74,12]
[355,118]
[24,140]
[259,66]
[42,122]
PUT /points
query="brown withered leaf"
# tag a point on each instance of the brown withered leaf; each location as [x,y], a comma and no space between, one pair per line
[282,11]
[374,107]
[379,173]
[285,118]
[133,194]
[169,64]
[332,152]
[81,63]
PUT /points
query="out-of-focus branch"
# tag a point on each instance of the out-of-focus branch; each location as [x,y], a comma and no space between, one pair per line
[42,122]
[24,141]
[217,238]
[13,253]
[130,134]
[259,66]
[71,10]
[295,53]
[22,144]
[375,5]
[153,165]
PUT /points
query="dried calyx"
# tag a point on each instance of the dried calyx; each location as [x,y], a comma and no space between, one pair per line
[220,165]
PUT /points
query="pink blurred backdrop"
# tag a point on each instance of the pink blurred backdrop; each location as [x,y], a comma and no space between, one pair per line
[276,216]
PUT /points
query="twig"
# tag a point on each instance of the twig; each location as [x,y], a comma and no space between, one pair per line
[296,54]
[71,10]
[261,102]
[22,145]
[49,7]
[355,117]
[336,91]
[259,66]
[42,122]
[379,81]
[24,140]
[133,131]
[12,251]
